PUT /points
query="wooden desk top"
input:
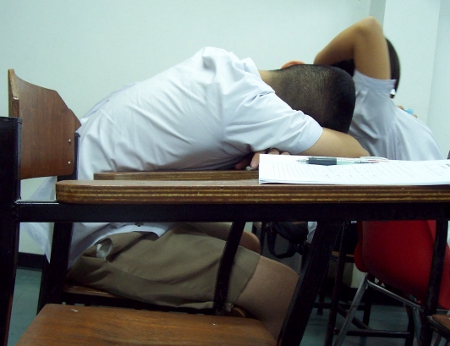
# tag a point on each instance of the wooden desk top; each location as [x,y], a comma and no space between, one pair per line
[231,187]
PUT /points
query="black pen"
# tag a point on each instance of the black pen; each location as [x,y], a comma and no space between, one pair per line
[331,161]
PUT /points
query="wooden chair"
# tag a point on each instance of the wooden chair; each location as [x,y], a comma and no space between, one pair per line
[46,145]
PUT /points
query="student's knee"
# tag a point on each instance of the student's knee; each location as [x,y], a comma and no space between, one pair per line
[268,293]
[270,280]
[251,242]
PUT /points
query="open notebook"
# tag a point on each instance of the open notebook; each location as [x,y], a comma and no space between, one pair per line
[295,170]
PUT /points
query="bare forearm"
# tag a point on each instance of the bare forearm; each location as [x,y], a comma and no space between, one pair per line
[333,143]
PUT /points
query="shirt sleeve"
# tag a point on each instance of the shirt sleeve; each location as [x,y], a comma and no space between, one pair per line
[254,117]
[372,117]
[265,121]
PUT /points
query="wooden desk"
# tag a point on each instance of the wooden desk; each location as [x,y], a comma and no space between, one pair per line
[237,196]
[301,202]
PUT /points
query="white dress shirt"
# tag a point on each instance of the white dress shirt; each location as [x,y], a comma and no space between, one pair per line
[204,113]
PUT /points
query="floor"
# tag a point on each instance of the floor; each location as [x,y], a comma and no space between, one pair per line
[27,287]
[25,302]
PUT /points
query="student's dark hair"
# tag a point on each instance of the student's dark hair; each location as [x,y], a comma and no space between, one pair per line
[323,92]
[349,66]
[395,64]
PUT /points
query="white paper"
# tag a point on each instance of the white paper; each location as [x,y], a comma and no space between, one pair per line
[287,169]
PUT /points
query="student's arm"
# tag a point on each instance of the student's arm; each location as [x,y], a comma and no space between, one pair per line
[364,42]
[334,143]
[330,143]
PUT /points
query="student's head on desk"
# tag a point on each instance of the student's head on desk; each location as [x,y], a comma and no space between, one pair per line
[323,92]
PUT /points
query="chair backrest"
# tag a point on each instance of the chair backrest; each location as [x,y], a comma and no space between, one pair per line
[47,148]
[399,253]
[48,129]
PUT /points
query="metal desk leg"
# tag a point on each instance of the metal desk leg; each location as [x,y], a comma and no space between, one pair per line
[338,282]
[9,229]
[434,284]
[9,249]
[309,283]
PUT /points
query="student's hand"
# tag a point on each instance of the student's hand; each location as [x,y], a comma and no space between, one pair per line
[251,161]
[409,110]
[245,162]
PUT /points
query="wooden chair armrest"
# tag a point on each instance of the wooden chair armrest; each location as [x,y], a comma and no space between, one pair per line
[178,175]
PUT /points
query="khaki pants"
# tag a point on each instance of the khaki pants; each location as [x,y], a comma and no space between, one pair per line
[177,269]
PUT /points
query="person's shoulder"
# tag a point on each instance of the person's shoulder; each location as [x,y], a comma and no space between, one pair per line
[362,77]
[363,81]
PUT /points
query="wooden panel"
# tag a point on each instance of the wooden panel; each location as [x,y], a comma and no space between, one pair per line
[48,129]
[239,192]
[81,325]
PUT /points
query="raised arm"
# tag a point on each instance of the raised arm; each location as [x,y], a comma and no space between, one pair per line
[364,42]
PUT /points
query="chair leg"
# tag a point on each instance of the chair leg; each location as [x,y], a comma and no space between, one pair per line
[412,326]
[322,293]
[43,291]
[417,322]
[351,312]
[334,306]
[368,298]
[438,341]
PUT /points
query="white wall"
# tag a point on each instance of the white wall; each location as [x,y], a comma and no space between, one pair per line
[404,25]
[85,49]
[439,112]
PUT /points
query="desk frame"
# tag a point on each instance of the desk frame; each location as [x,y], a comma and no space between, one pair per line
[224,201]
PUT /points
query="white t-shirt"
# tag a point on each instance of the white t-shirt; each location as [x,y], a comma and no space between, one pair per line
[204,113]
[385,130]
